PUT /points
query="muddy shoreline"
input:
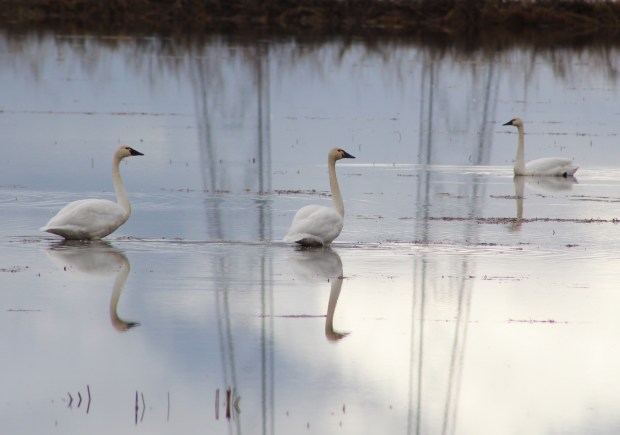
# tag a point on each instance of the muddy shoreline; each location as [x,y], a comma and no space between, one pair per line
[488,22]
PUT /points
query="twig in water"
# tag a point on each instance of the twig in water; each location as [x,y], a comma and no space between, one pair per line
[236,404]
[136,410]
[143,407]
[88,406]
[228,404]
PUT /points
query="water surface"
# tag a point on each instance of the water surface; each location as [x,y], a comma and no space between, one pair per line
[456,300]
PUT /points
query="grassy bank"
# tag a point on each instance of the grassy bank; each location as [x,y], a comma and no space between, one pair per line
[478,19]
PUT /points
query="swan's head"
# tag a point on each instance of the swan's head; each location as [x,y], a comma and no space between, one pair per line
[339,153]
[516,122]
[125,151]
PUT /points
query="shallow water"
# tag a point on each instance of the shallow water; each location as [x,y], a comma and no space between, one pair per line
[456,300]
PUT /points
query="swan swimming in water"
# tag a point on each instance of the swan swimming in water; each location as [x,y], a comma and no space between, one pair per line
[549,166]
[92,219]
[318,225]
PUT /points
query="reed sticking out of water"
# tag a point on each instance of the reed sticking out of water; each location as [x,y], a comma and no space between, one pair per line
[137,408]
[168,413]
[434,16]
[232,404]
[228,413]
[88,391]
[79,395]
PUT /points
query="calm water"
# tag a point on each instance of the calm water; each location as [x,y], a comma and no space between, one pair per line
[456,300]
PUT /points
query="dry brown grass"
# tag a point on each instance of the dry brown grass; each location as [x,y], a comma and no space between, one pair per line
[479,19]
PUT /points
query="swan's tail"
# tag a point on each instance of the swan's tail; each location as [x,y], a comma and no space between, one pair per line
[304,239]
[570,171]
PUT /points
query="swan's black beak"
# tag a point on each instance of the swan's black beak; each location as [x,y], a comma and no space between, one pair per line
[346,155]
[134,152]
[509,122]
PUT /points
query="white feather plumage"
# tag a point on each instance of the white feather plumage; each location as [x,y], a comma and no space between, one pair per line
[547,166]
[318,225]
[91,219]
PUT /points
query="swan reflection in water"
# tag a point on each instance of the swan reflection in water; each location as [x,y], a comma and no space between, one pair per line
[96,258]
[320,264]
[544,184]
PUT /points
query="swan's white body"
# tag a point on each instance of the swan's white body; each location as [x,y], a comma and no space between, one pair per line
[548,166]
[318,225]
[92,219]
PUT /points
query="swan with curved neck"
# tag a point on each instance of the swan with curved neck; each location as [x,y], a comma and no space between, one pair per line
[548,166]
[317,225]
[91,219]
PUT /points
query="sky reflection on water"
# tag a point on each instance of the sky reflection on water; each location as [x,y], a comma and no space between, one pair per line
[457,300]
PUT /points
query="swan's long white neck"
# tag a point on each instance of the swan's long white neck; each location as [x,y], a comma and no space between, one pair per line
[121,195]
[520,160]
[333,184]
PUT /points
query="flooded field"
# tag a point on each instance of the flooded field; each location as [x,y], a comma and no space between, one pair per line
[458,299]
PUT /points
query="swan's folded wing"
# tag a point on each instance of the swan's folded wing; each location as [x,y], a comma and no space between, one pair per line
[307,211]
[313,222]
[87,218]
[551,166]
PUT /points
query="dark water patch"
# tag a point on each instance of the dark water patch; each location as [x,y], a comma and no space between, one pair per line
[506,220]
[13,269]
[537,321]
[90,113]
[22,310]
[504,197]
[594,198]
[300,192]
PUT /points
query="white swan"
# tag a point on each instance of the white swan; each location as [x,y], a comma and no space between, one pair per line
[317,225]
[95,218]
[549,166]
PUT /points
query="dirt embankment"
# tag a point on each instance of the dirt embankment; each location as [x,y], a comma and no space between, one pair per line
[478,19]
